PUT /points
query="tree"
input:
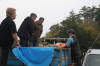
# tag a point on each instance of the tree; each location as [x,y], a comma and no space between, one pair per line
[86,32]
[97,14]
[88,13]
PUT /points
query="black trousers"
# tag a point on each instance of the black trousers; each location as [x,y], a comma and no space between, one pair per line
[24,43]
[32,42]
[3,56]
[76,60]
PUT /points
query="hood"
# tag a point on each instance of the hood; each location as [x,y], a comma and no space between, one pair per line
[28,19]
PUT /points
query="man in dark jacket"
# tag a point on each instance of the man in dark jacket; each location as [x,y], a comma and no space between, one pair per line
[38,31]
[75,48]
[8,34]
[26,29]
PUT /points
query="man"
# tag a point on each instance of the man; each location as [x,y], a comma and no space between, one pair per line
[75,48]
[38,31]
[26,29]
[8,34]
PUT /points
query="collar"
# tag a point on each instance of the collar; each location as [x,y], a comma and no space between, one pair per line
[71,36]
[9,17]
[39,23]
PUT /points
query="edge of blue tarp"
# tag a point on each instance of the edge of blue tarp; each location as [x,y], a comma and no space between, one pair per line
[45,52]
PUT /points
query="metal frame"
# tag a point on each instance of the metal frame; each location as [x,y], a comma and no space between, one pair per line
[61,58]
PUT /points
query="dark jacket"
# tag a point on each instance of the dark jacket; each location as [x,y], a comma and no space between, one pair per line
[75,48]
[38,30]
[26,29]
[7,27]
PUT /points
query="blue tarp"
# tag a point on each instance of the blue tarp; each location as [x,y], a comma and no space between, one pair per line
[34,56]
[57,55]
[13,62]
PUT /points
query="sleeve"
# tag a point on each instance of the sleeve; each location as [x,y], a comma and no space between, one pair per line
[69,42]
[41,30]
[31,26]
[12,27]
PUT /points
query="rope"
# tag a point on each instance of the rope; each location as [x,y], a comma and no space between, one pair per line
[95,40]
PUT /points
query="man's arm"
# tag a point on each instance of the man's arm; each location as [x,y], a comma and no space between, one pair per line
[31,26]
[68,43]
[13,31]
[16,39]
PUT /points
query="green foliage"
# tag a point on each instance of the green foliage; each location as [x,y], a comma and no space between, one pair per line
[98,14]
[86,29]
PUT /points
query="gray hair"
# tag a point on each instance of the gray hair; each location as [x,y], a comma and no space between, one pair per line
[32,15]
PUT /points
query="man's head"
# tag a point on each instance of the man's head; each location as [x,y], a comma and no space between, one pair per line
[33,16]
[11,12]
[41,19]
[70,32]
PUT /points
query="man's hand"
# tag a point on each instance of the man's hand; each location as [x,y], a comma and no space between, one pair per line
[17,43]
[16,39]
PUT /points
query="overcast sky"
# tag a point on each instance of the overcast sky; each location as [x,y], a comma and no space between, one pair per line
[54,11]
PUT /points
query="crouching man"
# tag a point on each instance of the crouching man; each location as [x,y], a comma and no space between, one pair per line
[26,29]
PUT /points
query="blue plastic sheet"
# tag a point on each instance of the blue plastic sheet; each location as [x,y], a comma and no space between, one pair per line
[13,62]
[57,55]
[34,56]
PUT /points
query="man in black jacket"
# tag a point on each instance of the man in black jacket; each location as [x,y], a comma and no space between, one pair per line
[8,34]
[26,29]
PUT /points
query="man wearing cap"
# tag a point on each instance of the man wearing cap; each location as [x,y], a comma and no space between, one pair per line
[75,48]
